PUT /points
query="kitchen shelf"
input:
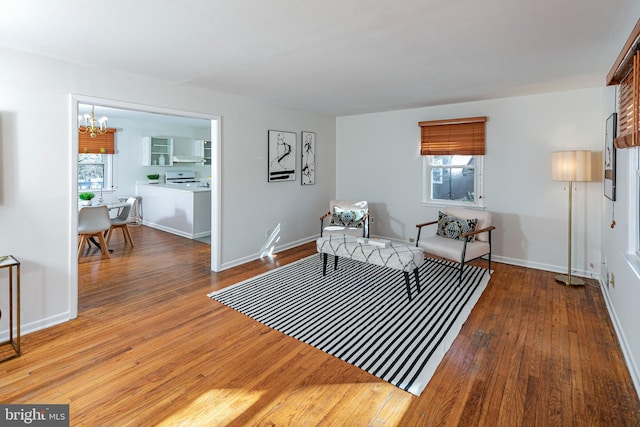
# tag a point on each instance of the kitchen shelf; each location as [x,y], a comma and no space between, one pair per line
[157,151]
[203,148]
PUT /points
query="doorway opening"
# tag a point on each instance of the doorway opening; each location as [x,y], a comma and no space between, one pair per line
[136,121]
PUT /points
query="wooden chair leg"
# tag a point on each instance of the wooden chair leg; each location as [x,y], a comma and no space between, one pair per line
[103,245]
[83,240]
[108,234]
[128,235]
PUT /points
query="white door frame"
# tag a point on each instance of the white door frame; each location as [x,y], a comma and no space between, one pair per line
[216,175]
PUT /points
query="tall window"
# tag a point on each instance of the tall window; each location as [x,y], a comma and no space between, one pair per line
[95,161]
[625,74]
[452,164]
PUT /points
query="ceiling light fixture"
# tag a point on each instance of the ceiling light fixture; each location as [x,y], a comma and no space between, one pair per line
[90,124]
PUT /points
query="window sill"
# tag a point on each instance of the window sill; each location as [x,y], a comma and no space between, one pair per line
[451,204]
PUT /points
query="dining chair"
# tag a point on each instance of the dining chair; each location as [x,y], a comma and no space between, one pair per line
[93,221]
[122,220]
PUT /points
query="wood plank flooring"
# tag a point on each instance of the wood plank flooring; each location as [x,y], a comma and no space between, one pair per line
[150,348]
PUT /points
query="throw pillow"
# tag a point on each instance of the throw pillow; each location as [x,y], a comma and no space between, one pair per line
[347,217]
[453,227]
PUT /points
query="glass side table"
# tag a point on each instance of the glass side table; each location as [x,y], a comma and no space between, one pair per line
[10,262]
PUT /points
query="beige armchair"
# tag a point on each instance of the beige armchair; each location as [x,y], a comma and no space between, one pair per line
[346,217]
[462,236]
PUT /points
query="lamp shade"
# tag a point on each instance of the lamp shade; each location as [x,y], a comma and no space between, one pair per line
[571,165]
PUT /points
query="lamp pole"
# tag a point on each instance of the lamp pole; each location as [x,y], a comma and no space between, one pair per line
[568,279]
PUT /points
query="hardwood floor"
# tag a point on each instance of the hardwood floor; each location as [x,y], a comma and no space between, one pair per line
[150,348]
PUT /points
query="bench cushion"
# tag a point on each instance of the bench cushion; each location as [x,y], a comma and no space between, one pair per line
[397,256]
[452,248]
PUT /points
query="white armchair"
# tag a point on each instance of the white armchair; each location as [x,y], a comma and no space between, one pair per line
[462,236]
[346,217]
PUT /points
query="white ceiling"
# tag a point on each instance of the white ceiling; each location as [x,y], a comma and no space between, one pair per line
[335,57]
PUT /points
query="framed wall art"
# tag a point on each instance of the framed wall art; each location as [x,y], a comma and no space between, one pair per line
[282,156]
[308,165]
[610,158]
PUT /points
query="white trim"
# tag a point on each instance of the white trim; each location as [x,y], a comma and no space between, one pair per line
[634,372]
[216,163]
[633,179]
[244,260]
[478,183]
[27,328]
[175,230]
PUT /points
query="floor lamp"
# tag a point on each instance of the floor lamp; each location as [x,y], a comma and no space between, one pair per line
[570,166]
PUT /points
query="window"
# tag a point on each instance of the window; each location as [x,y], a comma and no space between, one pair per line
[95,161]
[453,180]
[95,172]
[452,164]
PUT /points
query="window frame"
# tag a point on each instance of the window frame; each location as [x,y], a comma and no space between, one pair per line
[478,183]
[108,183]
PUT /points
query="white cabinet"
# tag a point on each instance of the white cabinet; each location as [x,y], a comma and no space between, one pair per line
[203,148]
[186,213]
[157,151]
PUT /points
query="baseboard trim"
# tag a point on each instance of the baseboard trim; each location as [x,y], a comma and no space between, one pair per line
[27,328]
[265,252]
[543,266]
[622,339]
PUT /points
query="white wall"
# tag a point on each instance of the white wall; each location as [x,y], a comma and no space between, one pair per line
[618,247]
[128,167]
[36,177]
[378,160]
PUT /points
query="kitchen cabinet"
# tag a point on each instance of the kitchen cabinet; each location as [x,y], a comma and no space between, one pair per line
[178,210]
[157,151]
[203,148]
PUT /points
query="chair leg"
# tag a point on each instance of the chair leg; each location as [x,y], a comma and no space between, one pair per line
[127,235]
[406,281]
[103,244]
[108,234]
[81,244]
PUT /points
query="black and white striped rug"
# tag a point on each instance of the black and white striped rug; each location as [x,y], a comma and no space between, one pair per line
[361,313]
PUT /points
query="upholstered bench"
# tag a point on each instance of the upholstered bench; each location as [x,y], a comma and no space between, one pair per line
[396,256]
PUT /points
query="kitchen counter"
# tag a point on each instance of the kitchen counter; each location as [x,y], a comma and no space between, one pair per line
[176,208]
[193,187]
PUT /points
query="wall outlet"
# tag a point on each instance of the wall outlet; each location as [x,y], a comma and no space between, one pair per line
[412,240]
[612,280]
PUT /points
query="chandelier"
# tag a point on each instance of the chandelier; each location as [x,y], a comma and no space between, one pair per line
[90,124]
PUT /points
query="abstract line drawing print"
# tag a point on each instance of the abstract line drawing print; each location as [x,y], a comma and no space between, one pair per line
[308,168]
[282,159]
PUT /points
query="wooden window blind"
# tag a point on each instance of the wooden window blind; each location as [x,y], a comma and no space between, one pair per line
[628,111]
[453,137]
[626,74]
[101,144]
